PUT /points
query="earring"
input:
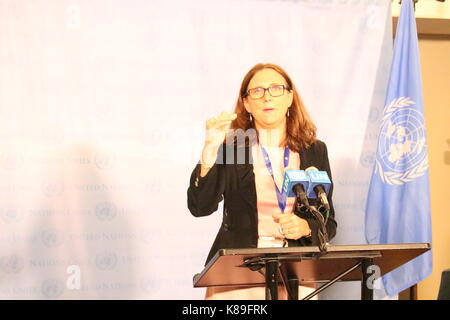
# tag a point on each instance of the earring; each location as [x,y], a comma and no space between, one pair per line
[251,118]
[288,113]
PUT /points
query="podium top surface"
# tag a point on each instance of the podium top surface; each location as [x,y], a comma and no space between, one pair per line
[308,264]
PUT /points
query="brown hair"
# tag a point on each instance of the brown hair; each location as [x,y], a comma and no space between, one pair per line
[300,130]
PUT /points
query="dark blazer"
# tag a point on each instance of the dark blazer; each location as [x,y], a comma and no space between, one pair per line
[234,181]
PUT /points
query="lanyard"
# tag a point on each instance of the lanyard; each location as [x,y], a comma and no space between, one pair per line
[281,197]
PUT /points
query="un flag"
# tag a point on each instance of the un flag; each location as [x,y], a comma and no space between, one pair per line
[398,203]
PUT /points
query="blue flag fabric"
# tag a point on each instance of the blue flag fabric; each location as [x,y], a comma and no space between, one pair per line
[398,203]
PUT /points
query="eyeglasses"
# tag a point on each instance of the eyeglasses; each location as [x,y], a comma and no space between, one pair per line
[275,90]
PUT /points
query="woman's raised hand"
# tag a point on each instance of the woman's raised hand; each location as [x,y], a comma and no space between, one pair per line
[216,130]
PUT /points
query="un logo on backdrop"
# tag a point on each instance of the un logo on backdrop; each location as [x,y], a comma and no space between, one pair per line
[11,161]
[11,264]
[105,160]
[106,261]
[105,211]
[52,238]
[52,288]
[10,215]
[367,159]
[53,188]
[402,151]
[149,285]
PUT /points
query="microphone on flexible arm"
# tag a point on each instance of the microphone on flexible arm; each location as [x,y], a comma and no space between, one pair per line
[296,184]
[319,188]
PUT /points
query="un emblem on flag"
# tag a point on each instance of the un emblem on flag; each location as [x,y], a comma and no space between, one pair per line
[402,151]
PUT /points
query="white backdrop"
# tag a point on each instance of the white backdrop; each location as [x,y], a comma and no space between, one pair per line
[102,109]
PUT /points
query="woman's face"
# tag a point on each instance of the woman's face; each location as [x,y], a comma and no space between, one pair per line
[268,112]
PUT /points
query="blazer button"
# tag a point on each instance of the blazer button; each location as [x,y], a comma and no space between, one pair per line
[225,227]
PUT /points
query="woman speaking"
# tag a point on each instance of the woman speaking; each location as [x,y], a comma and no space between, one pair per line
[279,136]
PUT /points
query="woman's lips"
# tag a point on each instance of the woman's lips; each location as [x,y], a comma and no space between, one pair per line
[268,109]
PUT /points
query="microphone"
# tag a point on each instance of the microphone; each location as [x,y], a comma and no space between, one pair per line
[298,183]
[319,188]
[295,184]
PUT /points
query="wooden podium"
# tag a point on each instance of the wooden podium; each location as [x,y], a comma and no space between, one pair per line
[301,265]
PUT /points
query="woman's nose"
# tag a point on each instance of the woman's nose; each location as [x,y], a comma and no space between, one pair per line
[267,96]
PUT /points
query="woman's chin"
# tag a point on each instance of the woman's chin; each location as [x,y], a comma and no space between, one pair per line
[271,123]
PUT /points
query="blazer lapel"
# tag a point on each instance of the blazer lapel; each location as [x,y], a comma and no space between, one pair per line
[246,179]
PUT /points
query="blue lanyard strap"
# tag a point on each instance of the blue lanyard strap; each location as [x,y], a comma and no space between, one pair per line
[281,197]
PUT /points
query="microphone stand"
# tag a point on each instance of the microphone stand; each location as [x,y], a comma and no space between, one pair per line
[299,208]
[322,231]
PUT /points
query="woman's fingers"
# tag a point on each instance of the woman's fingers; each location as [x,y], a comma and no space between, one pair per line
[291,225]
[224,117]
[215,124]
[221,121]
[227,116]
[285,218]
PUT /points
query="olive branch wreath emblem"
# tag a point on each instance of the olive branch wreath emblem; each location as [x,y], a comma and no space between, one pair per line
[394,178]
